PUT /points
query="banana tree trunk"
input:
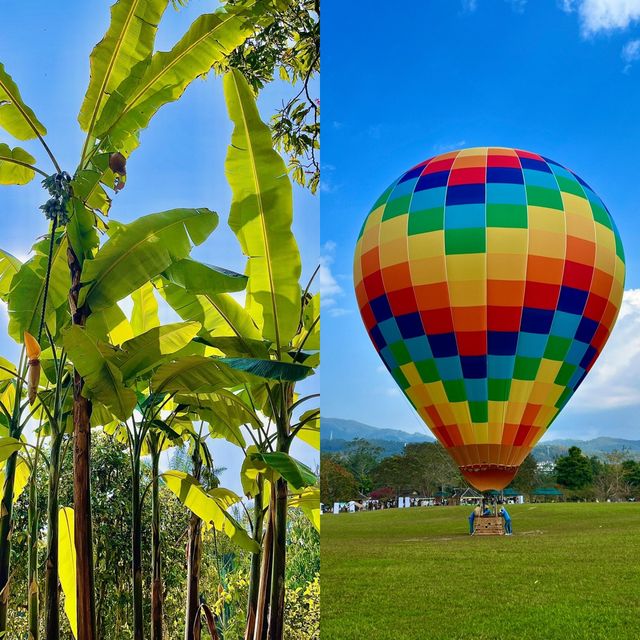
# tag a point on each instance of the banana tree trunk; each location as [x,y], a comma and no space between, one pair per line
[192,626]
[6,525]
[33,612]
[260,629]
[86,607]
[276,605]
[136,549]
[280,508]
[254,576]
[52,611]
[156,556]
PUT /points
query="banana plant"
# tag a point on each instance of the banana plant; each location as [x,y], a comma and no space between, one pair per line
[275,331]
[129,83]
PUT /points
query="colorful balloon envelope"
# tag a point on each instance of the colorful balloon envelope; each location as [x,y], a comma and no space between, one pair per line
[489,280]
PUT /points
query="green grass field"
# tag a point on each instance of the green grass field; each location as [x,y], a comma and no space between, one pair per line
[570,571]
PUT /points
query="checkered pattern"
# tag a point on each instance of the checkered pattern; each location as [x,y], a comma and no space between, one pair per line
[489,280]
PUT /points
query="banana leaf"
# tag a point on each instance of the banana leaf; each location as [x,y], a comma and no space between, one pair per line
[16,118]
[294,472]
[219,314]
[27,290]
[261,217]
[102,378]
[210,39]
[140,354]
[197,277]
[67,565]
[140,251]
[144,315]
[9,266]
[129,40]
[12,165]
[211,507]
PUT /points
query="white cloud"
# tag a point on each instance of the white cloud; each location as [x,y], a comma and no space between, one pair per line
[448,146]
[603,15]
[518,5]
[469,6]
[330,290]
[613,381]
[630,53]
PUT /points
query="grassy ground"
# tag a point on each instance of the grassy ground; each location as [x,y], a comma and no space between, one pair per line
[570,571]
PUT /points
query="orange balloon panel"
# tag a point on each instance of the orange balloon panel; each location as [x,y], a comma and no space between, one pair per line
[489,280]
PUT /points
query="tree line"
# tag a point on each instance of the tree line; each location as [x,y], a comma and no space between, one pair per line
[360,471]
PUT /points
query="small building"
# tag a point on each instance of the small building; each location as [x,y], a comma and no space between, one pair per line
[469,496]
[547,494]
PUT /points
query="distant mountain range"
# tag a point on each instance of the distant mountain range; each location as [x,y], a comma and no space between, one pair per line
[336,433]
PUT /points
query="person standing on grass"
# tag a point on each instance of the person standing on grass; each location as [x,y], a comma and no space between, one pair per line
[507,521]
[472,517]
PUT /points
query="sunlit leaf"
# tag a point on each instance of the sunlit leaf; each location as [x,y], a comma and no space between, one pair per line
[261,216]
[9,266]
[15,116]
[9,446]
[150,86]
[209,507]
[102,379]
[309,501]
[128,40]
[219,314]
[140,354]
[27,290]
[196,374]
[294,472]
[310,432]
[197,277]
[139,251]
[12,165]
[67,565]
[21,478]
[145,309]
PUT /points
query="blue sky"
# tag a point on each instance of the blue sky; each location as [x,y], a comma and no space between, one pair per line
[401,84]
[180,162]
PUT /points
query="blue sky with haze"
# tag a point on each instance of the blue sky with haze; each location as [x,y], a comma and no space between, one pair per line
[405,82]
[45,46]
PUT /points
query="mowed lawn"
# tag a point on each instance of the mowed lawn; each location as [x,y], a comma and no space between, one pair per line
[570,571]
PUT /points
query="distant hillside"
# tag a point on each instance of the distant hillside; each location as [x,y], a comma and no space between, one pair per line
[552,449]
[336,433]
[339,429]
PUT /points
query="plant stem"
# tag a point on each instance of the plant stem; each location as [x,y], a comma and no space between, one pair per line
[254,577]
[192,626]
[259,631]
[32,575]
[52,612]
[136,546]
[6,525]
[276,604]
[82,475]
[279,502]
[156,551]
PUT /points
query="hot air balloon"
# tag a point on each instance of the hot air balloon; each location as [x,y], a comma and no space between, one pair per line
[489,280]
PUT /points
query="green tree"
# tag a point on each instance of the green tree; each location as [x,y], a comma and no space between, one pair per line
[527,477]
[360,457]
[574,471]
[337,483]
[392,472]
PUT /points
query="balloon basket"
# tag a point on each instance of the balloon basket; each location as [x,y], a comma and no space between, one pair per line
[488,526]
